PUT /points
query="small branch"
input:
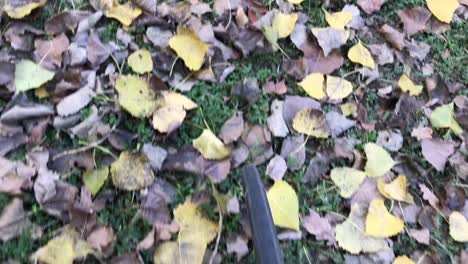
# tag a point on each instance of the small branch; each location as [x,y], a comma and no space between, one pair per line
[218,238]
[81,149]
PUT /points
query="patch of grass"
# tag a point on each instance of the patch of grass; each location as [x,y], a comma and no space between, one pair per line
[85,113]
[17,154]
[371,100]
[110,31]
[404,245]
[139,126]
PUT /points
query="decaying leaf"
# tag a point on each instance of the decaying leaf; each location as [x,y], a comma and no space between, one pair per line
[330,38]
[238,246]
[444,117]
[436,152]
[442,9]
[232,128]
[284,205]
[359,54]
[378,160]
[348,180]
[414,19]
[395,190]
[429,196]
[458,227]
[318,226]
[29,75]
[370,6]
[20,9]
[275,121]
[131,172]
[380,223]
[135,96]
[189,47]
[276,168]
[171,113]
[13,220]
[351,237]
[338,88]
[313,85]
[140,61]
[210,146]
[311,122]
[49,52]
[63,249]
[94,180]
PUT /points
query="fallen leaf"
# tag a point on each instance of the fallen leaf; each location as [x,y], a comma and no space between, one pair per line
[147,5]
[436,152]
[418,49]
[414,19]
[49,52]
[20,9]
[444,117]
[63,249]
[296,2]
[378,160]
[380,223]
[189,47]
[423,236]
[154,205]
[284,205]
[347,180]
[232,128]
[370,6]
[94,180]
[395,190]
[319,226]
[283,24]
[76,101]
[458,161]
[391,140]
[393,36]
[330,38]
[29,75]
[272,88]
[442,9]
[232,205]
[313,85]
[170,115]
[312,123]
[294,104]
[338,20]
[124,13]
[359,54]
[275,121]
[210,146]
[155,155]
[428,195]
[63,22]
[135,96]
[351,237]
[383,53]
[422,133]
[96,51]
[158,36]
[101,240]
[402,260]
[356,22]
[276,168]
[237,246]
[338,123]
[131,172]
[140,61]
[458,227]
[408,212]
[13,220]
[338,88]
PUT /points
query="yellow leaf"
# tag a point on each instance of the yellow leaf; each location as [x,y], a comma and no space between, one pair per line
[311,122]
[380,223]
[195,233]
[63,249]
[347,179]
[313,85]
[125,13]
[131,172]
[378,162]
[406,85]
[458,227]
[284,205]
[395,190]
[29,75]
[271,34]
[189,47]
[135,96]
[295,2]
[359,54]
[348,108]
[444,117]
[443,9]
[210,146]
[338,20]
[140,61]
[23,9]
[350,234]
[94,180]
[172,112]
[41,92]
[284,24]
[402,260]
[338,88]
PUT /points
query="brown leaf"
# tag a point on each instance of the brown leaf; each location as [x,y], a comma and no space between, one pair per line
[128,258]
[414,19]
[370,6]
[294,104]
[293,151]
[329,39]
[237,246]
[20,34]
[454,198]
[436,152]
[319,226]
[63,22]
[147,5]
[426,218]
[13,220]
[272,88]
[458,161]
[410,212]
[275,121]
[247,90]
[366,193]
[418,49]
[147,242]
[258,141]
[428,195]
[393,36]
[7,72]
[232,205]
[232,128]
[276,168]
[154,205]
[49,52]
[101,240]
[382,52]
[97,51]
[14,176]
[422,133]
[420,235]
[83,217]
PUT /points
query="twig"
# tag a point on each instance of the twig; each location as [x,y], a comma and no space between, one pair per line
[307,255]
[218,238]
[81,149]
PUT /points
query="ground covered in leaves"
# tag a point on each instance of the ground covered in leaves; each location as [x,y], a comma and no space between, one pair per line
[125,125]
